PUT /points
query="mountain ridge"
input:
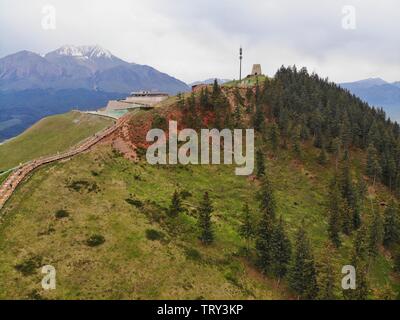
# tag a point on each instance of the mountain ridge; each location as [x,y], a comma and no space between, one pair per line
[209,81]
[379,93]
[81,67]
[33,86]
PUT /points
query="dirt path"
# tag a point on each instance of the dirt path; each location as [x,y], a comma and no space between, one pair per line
[14,179]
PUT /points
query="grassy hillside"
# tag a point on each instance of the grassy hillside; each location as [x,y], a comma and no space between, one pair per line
[48,136]
[128,264]
[146,254]
[102,221]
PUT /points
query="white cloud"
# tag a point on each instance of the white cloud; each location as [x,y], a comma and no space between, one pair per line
[199,39]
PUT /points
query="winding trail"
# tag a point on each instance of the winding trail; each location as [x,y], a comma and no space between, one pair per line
[14,179]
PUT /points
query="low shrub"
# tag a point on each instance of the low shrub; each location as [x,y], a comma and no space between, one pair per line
[60,214]
[135,202]
[193,254]
[95,240]
[154,235]
[80,185]
[29,266]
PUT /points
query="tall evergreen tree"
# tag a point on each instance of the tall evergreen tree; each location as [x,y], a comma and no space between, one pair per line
[326,274]
[360,262]
[302,276]
[360,247]
[318,140]
[349,194]
[284,125]
[374,233]
[246,229]
[175,206]
[280,250]
[181,100]
[204,98]
[237,115]
[216,89]
[258,119]
[391,225]
[362,190]
[205,211]
[191,116]
[374,169]
[296,146]
[260,164]
[335,148]
[267,205]
[274,136]
[362,290]
[266,198]
[264,243]
[322,157]
[249,94]
[335,205]
[396,259]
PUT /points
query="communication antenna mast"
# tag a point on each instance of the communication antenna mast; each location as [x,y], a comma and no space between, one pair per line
[240,58]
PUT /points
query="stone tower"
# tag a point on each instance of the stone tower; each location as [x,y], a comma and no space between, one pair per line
[256,70]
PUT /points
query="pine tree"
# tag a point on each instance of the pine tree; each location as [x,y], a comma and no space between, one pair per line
[274,136]
[362,290]
[237,115]
[297,146]
[352,219]
[336,146]
[345,131]
[205,210]
[391,226]
[360,247]
[249,94]
[257,94]
[181,100]
[302,276]
[246,229]
[266,226]
[326,274]
[175,206]
[318,141]
[266,198]
[204,98]
[356,218]
[216,89]
[280,250]
[258,119]
[322,157]
[264,243]
[396,259]
[334,215]
[360,262]
[374,169]
[191,112]
[346,218]
[260,165]
[362,189]
[374,234]
[284,125]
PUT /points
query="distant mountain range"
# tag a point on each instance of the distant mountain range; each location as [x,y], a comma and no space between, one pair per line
[83,67]
[379,93]
[210,81]
[83,77]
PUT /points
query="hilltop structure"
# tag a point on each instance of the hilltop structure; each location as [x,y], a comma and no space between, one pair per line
[137,99]
[256,71]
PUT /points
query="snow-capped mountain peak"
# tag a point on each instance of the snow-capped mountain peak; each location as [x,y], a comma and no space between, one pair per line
[83,51]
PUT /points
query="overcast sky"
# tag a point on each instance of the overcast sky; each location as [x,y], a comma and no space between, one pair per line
[194,40]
